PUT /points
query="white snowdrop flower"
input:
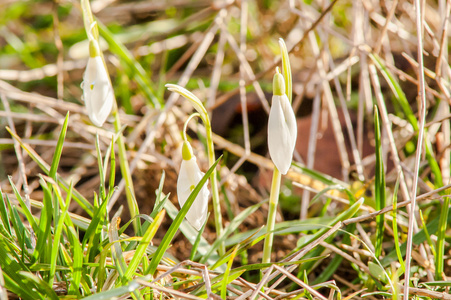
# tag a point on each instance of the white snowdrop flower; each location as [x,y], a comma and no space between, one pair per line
[97,90]
[189,177]
[282,127]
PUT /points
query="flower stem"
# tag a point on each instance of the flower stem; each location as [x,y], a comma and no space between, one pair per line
[125,170]
[273,199]
[214,185]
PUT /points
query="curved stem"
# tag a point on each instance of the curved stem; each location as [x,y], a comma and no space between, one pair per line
[185,126]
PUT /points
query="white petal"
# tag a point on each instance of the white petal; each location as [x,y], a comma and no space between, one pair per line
[97,91]
[282,133]
[189,177]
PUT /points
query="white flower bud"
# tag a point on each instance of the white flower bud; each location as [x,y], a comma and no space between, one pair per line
[97,90]
[282,127]
[189,177]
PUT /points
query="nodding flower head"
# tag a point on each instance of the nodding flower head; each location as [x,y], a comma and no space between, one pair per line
[97,90]
[282,128]
[189,177]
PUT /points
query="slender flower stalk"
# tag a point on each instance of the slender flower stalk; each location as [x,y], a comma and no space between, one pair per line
[98,112]
[199,107]
[189,177]
[282,134]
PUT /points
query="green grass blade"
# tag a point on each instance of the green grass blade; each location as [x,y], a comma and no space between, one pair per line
[198,239]
[115,293]
[395,226]
[402,100]
[58,149]
[112,168]
[116,251]
[379,185]
[4,214]
[143,244]
[226,274]
[190,233]
[41,285]
[230,229]
[442,226]
[58,232]
[14,281]
[418,238]
[101,172]
[24,207]
[82,201]
[177,221]
[43,243]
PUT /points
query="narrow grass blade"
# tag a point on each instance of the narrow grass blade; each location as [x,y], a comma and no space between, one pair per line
[45,289]
[115,293]
[24,207]
[58,149]
[190,233]
[58,232]
[116,251]
[177,221]
[227,272]
[428,236]
[82,201]
[402,100]
[418,238]
[159,203]
[395,226]
[198,239]
[14,280]
[379,185]
[112,169]
[143,244]
[4,214]
[101,172]
[230,229]
[442,226]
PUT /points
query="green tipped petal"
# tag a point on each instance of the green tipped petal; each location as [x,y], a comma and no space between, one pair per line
[278,84]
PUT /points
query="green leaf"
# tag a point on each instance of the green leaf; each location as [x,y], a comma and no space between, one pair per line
[58,149]
[143,244]
[379,185]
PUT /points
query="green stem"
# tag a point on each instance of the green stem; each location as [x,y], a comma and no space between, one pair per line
[273,199]
[214,184]
[125,171]
[441,240]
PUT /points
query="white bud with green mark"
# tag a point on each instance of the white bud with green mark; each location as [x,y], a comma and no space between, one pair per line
[189,177]
[282,127]
[97,90]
